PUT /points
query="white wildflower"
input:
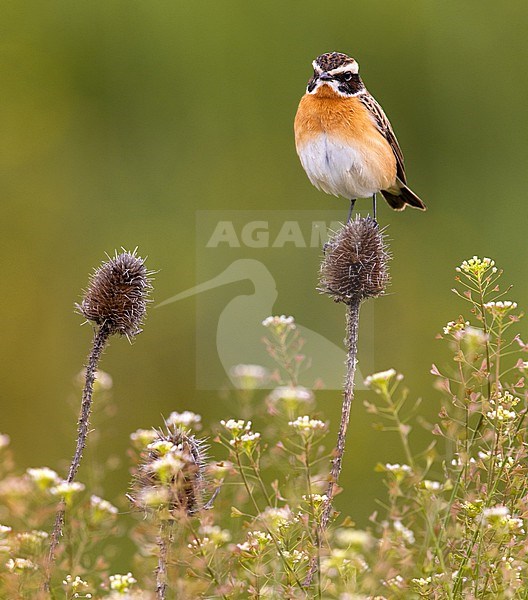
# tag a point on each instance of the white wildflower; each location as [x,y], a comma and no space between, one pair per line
[455,326]
[279,324]
[501,414]
[431,486]
[77,586]
[249,377]
[102,505]
[186,419]
[406,534]
[67,490]
[250,437]
[153,497]
[236,427]
[474,338]
[398,469]
[477,267]
[379,382]
[315,498]
[167,467]
[43,477]
[500,308]
[295,556]
[20,564]
[122,583]
[306,425]
[255,543]
[380,377]
[277,518]
[355,539]
[396,582]
[216,534]
[161,447]
[141,438]
[291,396]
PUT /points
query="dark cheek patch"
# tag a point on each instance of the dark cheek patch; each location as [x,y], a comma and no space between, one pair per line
[311,84]
[352,86]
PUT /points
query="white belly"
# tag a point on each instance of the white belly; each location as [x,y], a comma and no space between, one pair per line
[340,168]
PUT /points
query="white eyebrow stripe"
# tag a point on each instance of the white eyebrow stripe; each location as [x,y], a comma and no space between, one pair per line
[352,67]
[335,86]
[316,67]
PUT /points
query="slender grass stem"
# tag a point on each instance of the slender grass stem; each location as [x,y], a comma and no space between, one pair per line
[210,572]
[312,506]
[268,530]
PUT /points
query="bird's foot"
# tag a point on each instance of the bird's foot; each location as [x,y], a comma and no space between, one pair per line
[352,202]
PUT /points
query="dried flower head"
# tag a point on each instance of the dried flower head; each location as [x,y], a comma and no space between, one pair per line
[171,476]
[354,267]
[117,294]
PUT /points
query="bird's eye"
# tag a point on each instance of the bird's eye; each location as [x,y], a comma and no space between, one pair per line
[347,76]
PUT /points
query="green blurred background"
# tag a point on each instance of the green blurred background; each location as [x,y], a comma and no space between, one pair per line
[120,120]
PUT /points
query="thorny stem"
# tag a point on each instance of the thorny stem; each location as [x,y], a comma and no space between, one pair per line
[352,329]
[99,342]
[164,543]
[351,340]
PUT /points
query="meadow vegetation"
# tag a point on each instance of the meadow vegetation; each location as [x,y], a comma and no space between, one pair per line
[233,509]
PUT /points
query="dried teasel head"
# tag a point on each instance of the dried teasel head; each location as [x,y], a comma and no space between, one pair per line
[170,478]
[117,294]
[354,267]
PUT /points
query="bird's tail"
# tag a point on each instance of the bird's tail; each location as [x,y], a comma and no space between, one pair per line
[399,199]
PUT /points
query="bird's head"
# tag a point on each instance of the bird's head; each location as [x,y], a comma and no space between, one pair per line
[337,71]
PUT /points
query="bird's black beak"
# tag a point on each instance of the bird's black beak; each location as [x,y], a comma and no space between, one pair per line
[325,76]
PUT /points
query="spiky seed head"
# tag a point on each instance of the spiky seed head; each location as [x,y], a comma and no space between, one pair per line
[354,266]
[117,294]
[170,478]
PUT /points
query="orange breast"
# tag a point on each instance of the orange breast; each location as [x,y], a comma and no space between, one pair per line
[326,112]
[347,120]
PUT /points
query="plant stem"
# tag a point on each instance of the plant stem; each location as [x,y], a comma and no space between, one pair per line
[351,341]
[312,507]
[164,543]
[258,512]
[101,336]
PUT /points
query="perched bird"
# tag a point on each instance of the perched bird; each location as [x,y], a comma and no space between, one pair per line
[345,141]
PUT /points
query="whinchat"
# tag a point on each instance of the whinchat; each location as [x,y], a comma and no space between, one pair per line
[344,139]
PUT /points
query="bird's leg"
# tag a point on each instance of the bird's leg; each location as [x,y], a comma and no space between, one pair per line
[352,202]
[374,205]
